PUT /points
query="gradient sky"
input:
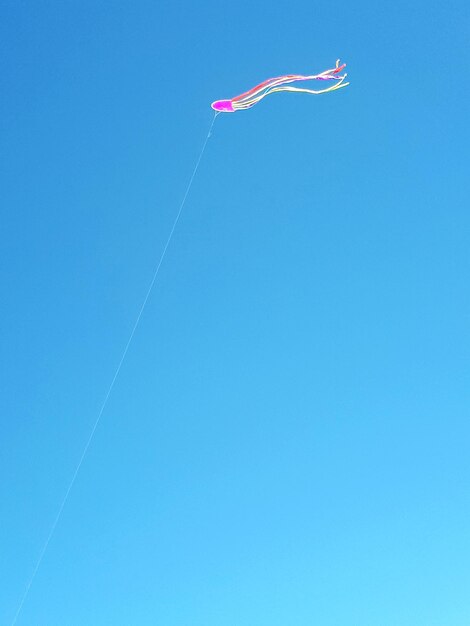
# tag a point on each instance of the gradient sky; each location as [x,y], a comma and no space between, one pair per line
[288,440]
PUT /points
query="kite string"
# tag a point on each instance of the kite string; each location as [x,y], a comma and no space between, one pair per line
[111,386]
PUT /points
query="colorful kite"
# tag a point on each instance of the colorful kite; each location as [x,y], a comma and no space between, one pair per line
[253,96]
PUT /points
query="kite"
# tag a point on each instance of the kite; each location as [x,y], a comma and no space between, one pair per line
[244,101]
[281,83]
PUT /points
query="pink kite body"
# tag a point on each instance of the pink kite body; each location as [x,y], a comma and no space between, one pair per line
[223,106]
[281,83]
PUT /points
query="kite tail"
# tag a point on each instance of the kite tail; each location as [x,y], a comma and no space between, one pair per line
[281,83]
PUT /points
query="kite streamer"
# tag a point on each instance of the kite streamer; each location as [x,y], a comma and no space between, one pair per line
[281,83]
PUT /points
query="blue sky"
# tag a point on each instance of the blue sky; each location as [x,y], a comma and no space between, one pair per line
[287,442]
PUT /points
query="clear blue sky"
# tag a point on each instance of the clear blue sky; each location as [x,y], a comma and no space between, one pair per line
[288,440]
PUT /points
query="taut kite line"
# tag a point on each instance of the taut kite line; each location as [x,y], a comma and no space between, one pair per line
[281,83]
